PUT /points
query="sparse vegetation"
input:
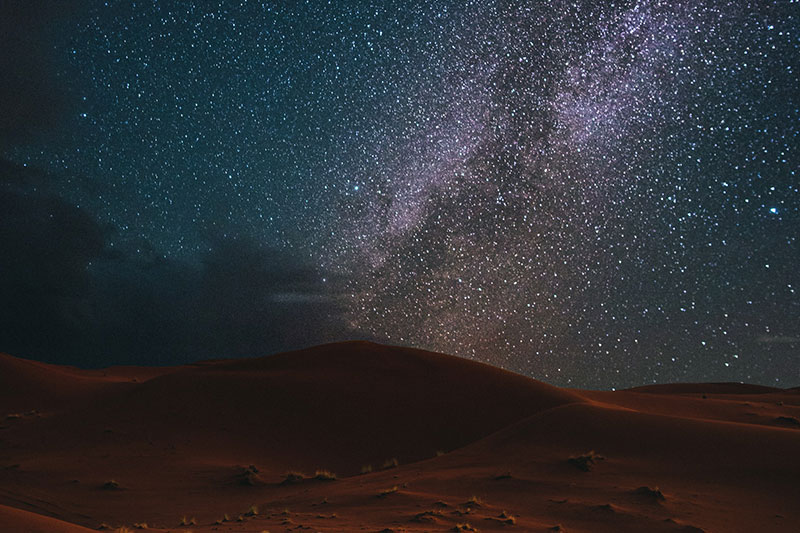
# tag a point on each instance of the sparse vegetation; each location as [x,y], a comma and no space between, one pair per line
[386,492]
[252,511]
[463,527]
[390,463]
[110,485]
[140,525]
[426,516]
[654,494]
[293,477]
[473,502]
[506,518]
[324,475]
[250,476]
[586,461]
[366,469]
[188,521]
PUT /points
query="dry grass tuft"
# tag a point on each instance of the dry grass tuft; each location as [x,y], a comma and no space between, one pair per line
[586,461]
[473,502]
[505,518]
[390,463]
[252,511]
[293,477]
[324,475]
[427,517]
[654,493]
[250,476]
[188,521]
[366,469]
[386,492]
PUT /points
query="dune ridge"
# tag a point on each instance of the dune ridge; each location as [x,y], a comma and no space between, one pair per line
[377,435]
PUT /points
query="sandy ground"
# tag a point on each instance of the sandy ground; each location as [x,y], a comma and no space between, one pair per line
[417,441]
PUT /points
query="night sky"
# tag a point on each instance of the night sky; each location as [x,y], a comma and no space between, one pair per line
[595,194]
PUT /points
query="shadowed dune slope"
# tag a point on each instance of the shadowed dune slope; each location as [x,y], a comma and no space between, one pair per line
[33,385]
[336,406]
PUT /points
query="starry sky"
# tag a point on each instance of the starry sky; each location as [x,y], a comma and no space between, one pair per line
[594,194]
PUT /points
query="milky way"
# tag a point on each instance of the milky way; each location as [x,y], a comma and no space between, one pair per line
[596,194]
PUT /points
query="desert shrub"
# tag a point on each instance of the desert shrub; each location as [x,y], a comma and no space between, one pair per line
[293,477]
[386,492]
[390,463]
[586,461]
[324,475]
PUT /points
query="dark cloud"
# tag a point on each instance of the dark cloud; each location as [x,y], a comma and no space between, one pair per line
[32,98]
[70,296]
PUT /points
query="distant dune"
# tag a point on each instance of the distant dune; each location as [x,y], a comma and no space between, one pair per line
[386,439]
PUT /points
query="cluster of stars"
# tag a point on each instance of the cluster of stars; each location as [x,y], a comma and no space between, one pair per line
[595,194]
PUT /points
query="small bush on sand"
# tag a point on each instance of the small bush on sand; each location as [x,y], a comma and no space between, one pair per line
[293,477]
[427,517]
[586,461]
[324,475]
[250,477]
[654,493]
[385,493]
[390,463]
[474,502]
[506,518]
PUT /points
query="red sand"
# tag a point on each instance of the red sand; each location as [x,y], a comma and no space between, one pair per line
[179,442]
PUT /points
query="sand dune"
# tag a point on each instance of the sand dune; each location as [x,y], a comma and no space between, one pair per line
[130,446]
[16,520]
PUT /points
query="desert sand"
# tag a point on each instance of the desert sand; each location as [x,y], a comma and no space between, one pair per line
[363,437]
